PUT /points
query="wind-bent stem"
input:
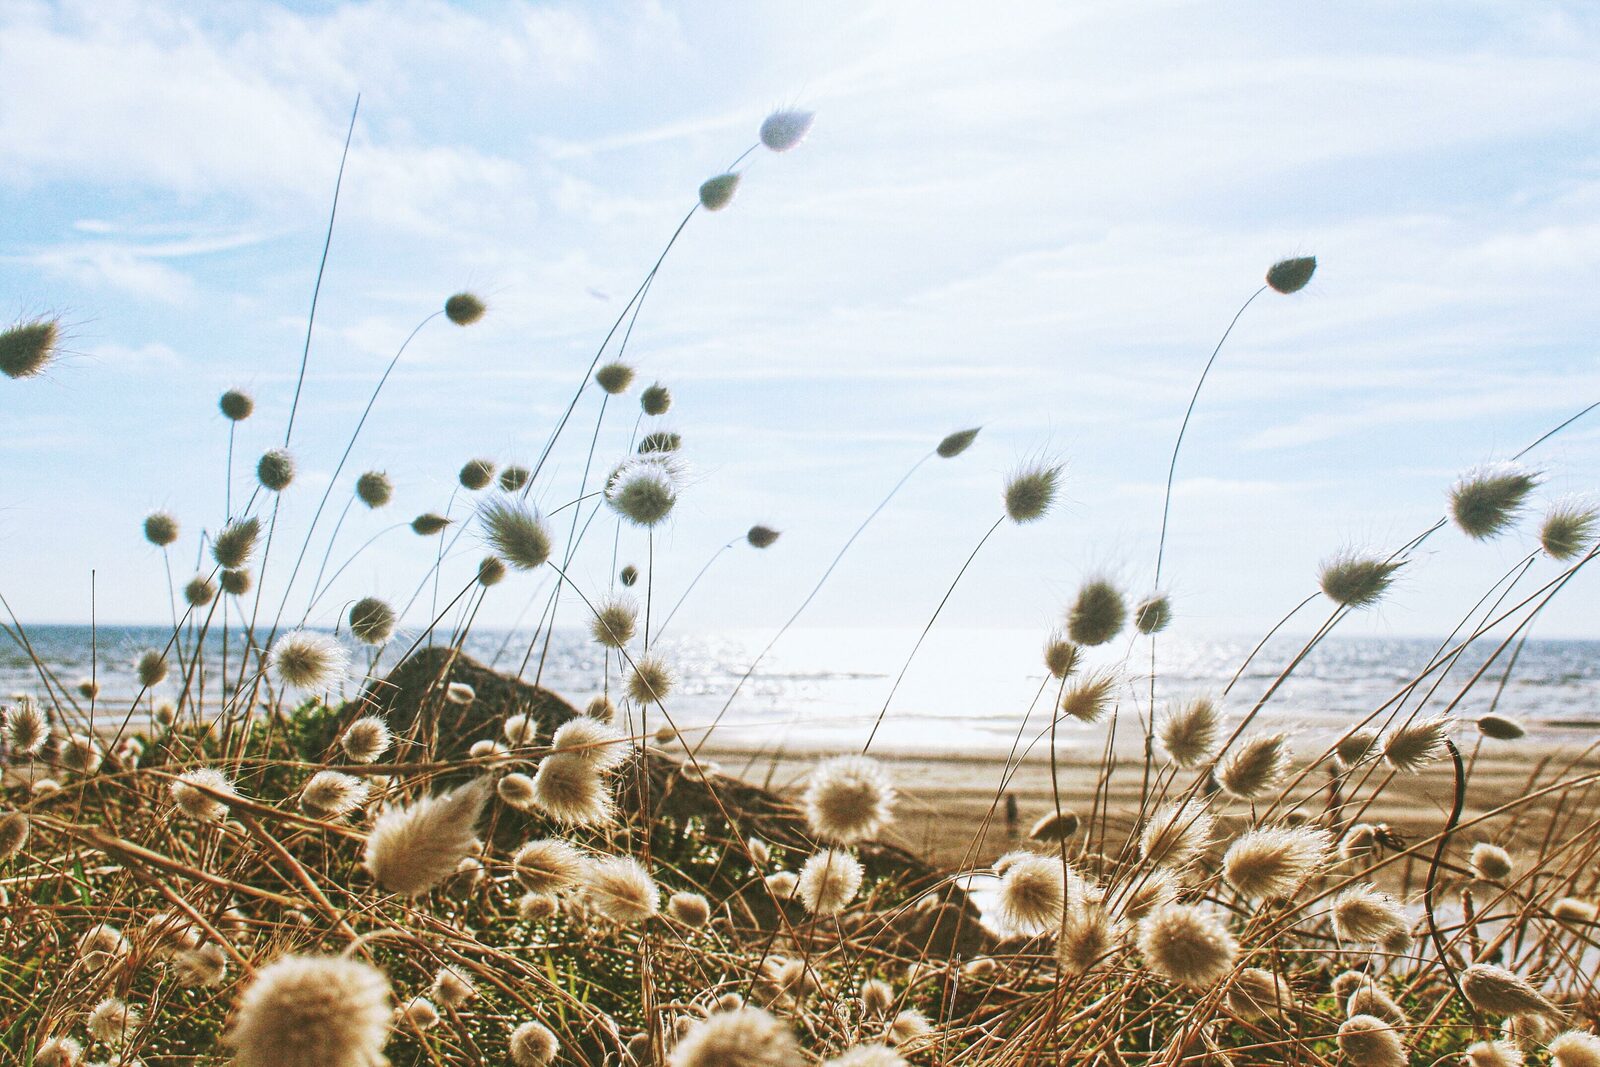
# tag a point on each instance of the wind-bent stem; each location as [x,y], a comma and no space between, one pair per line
[343,459]
[316,291]
[882,712]
[1433,873]
[745,677]
[327,553]
[665,622]
[1172,466]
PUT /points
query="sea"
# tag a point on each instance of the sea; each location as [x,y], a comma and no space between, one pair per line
[965,692]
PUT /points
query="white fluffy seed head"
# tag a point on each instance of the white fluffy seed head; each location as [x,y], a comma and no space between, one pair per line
[303,659]
[1089,935]
[1574,911]
[412,849]
[1258,994]
[1500,992]
[1367,1041]
[1365,915]
[113,1021]
[14,828]
[829,881]
[537,907]
[1493,1054]
[1032,892]
[548,865]
[1187,945]
[1491,862]
[515,532]
[618,888]
[1272,862]
[460,694]
[1487,500]
[366,739]
[690,909]
[603,708]
[1575,1048]
[1255,766]
[26,728]
[192,790]
[650,681]
[644,489]
[745,1037]
[614,621]
[515,789]
[848,799]
[1415,745]
[1088,699]
[571,791]
[533,1044]
[418,1013]
[332,794]
[58,1052]
[81,754]
[599,744]
[1189,733]
[201,967]
[1176,833]
[782,130]
[101,945]
[520,730]
[307,1011]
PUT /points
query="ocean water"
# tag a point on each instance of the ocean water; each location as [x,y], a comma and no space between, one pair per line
[966,691]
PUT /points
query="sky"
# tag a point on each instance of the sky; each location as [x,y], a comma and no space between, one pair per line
[1037,218]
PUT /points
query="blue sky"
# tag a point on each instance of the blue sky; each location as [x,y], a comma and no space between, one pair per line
[1034,217]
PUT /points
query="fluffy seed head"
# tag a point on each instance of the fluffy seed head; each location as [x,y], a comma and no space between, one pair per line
[412,849]
[536,907]
[1088,936]
[1030,491]
[1493,1054]
[628,575]
[236,405]
[81,754]
[1153,614]
[88,688]
[303,659]
[235,542]
[782,884]
[1354,581]
[58,1052]
[1032,892]
[202,967]
[13,833]
[476,474]
[910,1027]
[1486,501]
[1366,998]
[275,470]
[374,489]
[614,378]
[160,528]
[1060,656]
[1054,828]
[200,591]
[1258,994]
[491,571]
[660,441]
[151,668]
[516,532]
[829,881]
[1569,529]
[418,1013]
[452,988]
[113,1021]
[533,1045]
[1098,613]
[867,1056]
[1257,765]
[1291,275]
[1365,915]
[1189,733]
[101,945]
[877,997]
[516,790]
[372,621]
[1491,862]
[613,622]
[26,728]
[1089,698]
[460,693]
[1176,833]
[650,681]
[618,888]
[745,1037]
[1187,945]
[957,443]
[643,490]
[366,739]
[513,477]
[1415,745]
[428,523]
[1272,862]
[690,909]
[599,744]
[309,1011]
[848,799]
[188,792]
[332,794]
[28,347]
[1575,1048]
[235,582]
[1367,1041]
[762,536]
[1499,992]
[464,309]
[782,130]
[717,193]
[1353,747]
[570,790]
[548,865]
[1573,910]
[1500,728]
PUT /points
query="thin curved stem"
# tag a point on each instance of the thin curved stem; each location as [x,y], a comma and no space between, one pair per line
[664,623]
